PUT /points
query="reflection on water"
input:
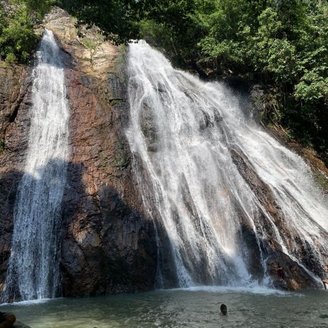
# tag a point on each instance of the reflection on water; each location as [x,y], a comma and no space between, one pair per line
[180,308]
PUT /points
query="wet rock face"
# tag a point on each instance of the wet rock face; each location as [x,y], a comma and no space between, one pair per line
[108,242]
[287,274]
[283,271]
[15,98]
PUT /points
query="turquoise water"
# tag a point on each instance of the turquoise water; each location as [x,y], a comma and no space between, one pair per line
[180,308]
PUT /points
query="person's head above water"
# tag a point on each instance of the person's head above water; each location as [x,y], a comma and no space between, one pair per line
[223,309]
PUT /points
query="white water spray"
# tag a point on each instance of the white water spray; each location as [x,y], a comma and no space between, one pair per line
[187,138]
[33,266]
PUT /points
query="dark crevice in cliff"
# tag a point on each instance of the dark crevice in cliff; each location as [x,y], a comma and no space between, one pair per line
[113,100]
[23,91]
[16,107]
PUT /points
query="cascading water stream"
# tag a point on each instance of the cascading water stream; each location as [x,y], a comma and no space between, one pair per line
[33,266]
[222,191]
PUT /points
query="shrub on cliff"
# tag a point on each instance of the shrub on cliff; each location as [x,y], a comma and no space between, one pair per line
[17,20]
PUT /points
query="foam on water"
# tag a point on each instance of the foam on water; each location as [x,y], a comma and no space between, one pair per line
[29,303]
[226,289]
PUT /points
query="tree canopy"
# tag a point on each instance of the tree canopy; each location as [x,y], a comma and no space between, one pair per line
[277,43]
[283,44]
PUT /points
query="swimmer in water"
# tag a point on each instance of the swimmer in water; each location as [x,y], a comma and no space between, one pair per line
[223,309]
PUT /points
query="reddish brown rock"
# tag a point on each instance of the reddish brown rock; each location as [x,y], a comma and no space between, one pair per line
[108,242]
[14,122]
[287,274]
[284,272]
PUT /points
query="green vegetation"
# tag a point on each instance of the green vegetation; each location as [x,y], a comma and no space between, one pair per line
[281,45]
[117,18]
[17,18]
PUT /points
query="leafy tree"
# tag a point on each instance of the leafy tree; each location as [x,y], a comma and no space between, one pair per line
[170,24]
[117,18]
[282,44]
[17,37]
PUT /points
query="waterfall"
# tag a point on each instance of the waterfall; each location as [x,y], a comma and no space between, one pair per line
[33,265]
[222,191]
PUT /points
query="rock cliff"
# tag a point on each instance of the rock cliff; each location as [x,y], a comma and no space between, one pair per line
[108,243]
[15,88]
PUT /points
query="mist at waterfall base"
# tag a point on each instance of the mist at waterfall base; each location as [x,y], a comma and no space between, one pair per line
[34,262]
[223,193]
